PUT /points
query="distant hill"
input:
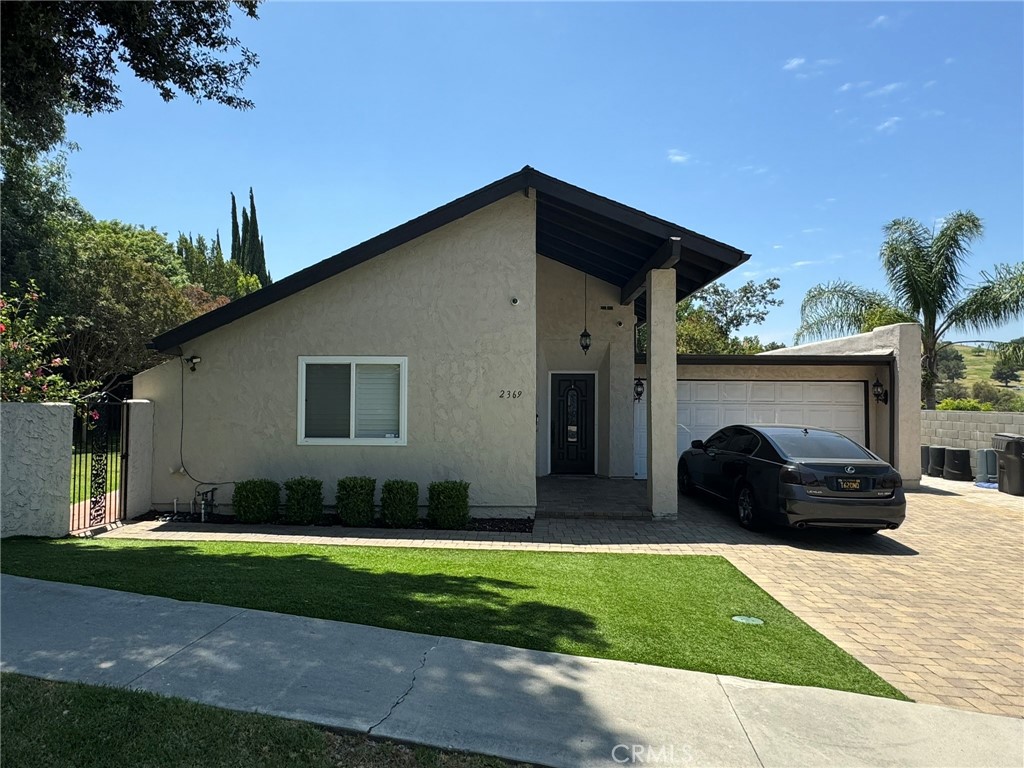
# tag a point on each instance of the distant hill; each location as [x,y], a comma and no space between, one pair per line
[980,363]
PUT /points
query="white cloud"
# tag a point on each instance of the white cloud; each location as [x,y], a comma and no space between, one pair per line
[792,64]
[950,60]
[826,62]
[757,170]
[879,21]
[811,230]
[851,86]
[776,247]
[932,113]
[886,90]
[889,125]
[830,199]
[675,156]
[930,83]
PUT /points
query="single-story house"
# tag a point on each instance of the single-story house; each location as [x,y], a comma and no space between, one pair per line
[420,354]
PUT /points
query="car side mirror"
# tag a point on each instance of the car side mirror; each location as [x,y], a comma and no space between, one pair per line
[697,445]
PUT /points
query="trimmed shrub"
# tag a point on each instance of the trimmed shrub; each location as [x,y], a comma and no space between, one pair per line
[962,404]
[399,500]
[256,501]
[355,500]
[448,504]
[304,500]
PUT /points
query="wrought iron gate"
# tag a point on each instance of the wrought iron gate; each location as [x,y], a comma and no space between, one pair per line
[99,466]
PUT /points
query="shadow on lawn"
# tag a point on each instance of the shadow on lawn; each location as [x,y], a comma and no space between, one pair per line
[511,697]
[464,606]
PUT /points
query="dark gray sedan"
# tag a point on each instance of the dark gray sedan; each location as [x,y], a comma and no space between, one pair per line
[795,476]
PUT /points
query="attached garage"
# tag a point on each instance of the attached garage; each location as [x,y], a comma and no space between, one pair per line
[714,392]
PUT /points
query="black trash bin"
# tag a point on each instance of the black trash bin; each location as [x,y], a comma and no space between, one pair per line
[936,460]
[924,459]
[958,465]
[1010,451]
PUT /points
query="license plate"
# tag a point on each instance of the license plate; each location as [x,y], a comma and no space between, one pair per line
[849,485]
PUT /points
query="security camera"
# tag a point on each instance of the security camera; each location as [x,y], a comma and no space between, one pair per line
[515,301]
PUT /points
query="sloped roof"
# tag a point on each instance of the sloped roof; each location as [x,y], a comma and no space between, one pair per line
[596,235]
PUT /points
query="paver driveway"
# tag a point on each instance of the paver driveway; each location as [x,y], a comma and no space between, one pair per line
[936,608]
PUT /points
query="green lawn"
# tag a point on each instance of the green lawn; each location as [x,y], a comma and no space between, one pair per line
[81,471]
[653,609]
[47,724]
[979,367]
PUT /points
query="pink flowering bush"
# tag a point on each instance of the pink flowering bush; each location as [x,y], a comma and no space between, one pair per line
[26,361]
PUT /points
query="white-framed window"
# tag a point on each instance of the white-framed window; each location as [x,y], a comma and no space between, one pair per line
[345,400]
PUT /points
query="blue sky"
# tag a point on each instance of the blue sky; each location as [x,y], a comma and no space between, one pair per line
[793,131]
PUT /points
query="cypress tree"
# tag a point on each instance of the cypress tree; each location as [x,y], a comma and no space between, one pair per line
[236,245]
[255,262]
[244,255]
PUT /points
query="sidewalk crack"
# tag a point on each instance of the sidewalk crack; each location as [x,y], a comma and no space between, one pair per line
[184,647]
[739,720]
[412,683]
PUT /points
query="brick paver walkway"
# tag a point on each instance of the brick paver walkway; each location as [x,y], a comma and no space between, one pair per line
[936,608]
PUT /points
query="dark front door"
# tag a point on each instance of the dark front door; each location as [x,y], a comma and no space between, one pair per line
[572,424]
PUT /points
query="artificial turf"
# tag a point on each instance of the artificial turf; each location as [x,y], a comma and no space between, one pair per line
[672,611]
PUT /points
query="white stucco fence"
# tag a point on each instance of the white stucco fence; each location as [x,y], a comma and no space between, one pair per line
[968,429]
[35,469]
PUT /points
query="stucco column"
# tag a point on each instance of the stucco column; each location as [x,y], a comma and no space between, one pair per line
[662,492]
[140,458]
[906,402]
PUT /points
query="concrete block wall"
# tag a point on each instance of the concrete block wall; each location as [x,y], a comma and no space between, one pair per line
[968,429]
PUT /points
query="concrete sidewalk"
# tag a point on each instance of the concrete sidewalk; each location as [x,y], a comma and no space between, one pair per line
[538,707]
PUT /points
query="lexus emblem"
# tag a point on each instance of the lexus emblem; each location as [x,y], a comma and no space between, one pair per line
[850,470]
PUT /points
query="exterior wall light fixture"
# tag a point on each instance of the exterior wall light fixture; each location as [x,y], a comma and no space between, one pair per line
[638,390]
[881,393]
[193,361]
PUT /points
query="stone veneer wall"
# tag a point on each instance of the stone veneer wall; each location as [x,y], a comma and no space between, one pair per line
[967,429]
[35,469]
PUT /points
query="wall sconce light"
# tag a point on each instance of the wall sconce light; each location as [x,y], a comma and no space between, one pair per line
[585,336]
[881,393]
[193,361]
[638,390]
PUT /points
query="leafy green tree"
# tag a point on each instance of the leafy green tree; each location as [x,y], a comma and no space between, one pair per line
[61,57]
[1004,373]
[144,245]
[27,362]
[39,223]
[1011,353]
[924,269]
[122,300]
[707,321]
[951,365]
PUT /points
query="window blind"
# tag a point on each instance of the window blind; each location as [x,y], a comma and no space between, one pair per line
[377,400]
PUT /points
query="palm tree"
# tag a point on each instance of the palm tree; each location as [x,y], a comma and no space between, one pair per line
[924,269]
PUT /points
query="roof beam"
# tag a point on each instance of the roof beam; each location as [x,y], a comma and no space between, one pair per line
[665,257]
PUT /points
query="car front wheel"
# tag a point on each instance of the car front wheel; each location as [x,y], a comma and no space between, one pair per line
[746,508]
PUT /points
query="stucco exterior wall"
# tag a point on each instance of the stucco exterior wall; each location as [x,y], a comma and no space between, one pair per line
[904,342]
[559,323]
[968,429]
[877,415]
[442,300]
[35,469]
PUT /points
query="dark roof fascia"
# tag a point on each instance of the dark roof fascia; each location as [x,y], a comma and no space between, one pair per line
[641,359]
[521,180]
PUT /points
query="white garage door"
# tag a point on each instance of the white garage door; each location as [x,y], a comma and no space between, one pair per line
[703,407]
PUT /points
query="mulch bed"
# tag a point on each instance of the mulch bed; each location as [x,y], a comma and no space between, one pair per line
[488,524]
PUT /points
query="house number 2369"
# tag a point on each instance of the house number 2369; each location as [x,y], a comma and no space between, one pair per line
[510,394]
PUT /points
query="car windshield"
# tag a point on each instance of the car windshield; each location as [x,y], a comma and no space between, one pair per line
[816,444]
